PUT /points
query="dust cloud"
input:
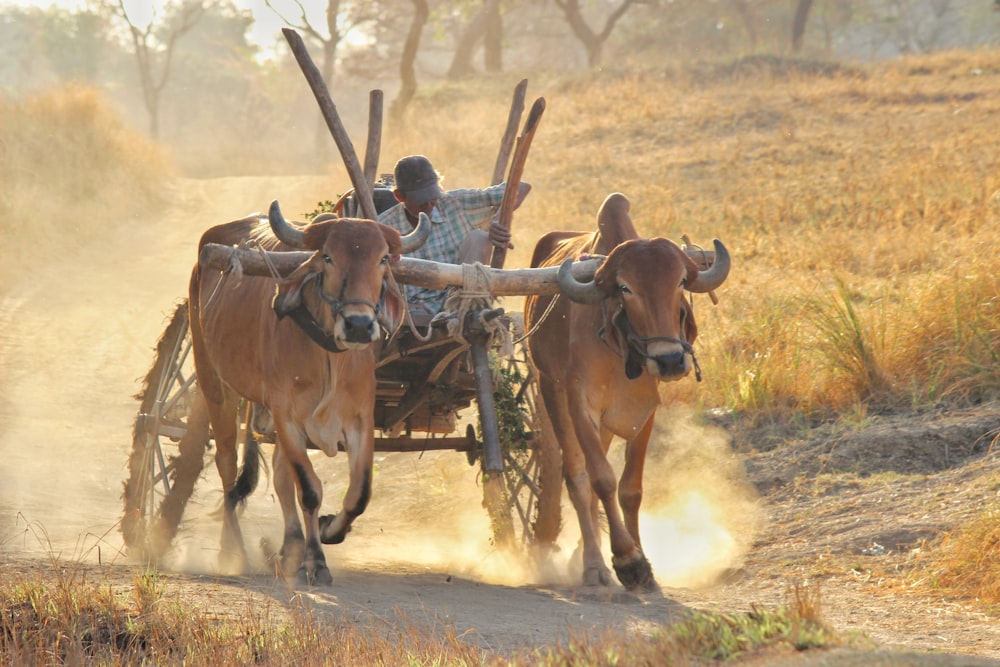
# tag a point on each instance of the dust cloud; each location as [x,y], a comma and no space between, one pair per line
[700,514]
[78,332]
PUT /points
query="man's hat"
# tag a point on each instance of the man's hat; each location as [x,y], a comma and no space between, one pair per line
[417,179]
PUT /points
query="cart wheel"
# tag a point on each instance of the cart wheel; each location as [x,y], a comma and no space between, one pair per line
[524,502]
[171,410]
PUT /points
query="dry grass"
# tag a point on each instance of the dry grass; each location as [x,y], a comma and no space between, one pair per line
[68,165]
[71,619]
[861,204]
[75,617]
[962,563]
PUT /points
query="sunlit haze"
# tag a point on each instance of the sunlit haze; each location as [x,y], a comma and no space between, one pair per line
[264,32]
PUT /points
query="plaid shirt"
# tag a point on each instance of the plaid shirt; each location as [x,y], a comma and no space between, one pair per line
[456,214]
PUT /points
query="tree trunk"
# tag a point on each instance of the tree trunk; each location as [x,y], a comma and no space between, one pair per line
[799,23]
[407,75]
[493,39]
[593,42]
[477,29]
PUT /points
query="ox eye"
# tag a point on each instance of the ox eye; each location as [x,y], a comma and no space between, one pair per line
[624,289]
[327,259]
[385,260]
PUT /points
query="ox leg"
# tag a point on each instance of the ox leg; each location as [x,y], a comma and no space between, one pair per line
[630,486]
[595,572]
[631,566]
[304,554]
[226,432]
[360,456]
[293,544]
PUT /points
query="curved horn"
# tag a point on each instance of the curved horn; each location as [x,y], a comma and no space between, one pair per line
[418,236]
[577,291]
[283,229]
[716,274]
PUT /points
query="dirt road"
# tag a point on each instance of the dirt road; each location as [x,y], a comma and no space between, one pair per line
[77,336]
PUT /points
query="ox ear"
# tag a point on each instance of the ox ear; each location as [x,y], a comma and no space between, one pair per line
[392,306]
[615,333]
[288,295]
[690,326]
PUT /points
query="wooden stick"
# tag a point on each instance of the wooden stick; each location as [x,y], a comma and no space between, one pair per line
[332,118]
[514,176]
[510,132]
[374,147]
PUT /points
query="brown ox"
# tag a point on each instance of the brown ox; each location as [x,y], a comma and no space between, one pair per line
[314,370]
[601,352]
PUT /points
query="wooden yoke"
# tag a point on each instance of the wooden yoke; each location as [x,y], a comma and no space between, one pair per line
[329,110]
[514,176]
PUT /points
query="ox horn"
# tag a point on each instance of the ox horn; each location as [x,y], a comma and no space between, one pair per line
[579,292]
[283,229]
[418,236]
[715,275]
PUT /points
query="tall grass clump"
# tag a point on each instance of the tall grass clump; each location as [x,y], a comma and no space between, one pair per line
[69,167]
[964,562]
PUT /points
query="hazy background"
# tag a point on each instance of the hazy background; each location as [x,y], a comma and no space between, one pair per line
[214,81]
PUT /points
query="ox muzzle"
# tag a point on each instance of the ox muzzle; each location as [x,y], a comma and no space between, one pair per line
[352,329]
[672,364]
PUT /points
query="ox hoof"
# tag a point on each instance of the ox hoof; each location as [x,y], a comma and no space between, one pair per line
[597,575]
[636,574]
[325,536]
[317,575]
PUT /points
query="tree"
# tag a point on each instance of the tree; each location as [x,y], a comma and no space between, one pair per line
[799,23]
[39,47]
[407,74]
[341,18]
[592,41]
[153,47]
[486,26]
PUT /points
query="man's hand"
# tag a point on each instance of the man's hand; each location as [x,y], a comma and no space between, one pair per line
[500,237]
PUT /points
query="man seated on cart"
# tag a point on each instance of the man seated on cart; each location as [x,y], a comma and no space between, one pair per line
[464,227]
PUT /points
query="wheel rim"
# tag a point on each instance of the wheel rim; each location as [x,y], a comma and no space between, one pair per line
[164,418]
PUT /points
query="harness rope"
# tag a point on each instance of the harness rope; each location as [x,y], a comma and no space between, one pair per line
[301,315]
[545,315]
[475,294]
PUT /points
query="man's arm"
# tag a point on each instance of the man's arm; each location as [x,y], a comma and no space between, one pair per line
[500,236]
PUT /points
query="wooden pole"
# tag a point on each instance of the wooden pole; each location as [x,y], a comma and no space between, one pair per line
[510,132]
[514,176]
[329,110]
[373,148]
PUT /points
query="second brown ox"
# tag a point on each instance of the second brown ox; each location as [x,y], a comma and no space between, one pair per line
[305,352]
[601,352]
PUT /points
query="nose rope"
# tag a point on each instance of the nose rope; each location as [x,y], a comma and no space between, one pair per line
[640,344]
[338,303]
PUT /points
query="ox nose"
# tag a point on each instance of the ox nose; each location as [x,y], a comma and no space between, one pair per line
[669,365]
[359,329]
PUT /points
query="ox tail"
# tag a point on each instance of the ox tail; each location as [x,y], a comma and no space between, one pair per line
[249,475]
